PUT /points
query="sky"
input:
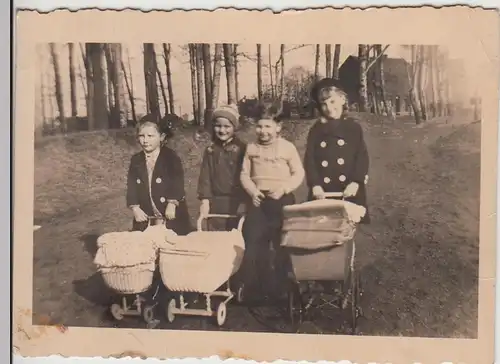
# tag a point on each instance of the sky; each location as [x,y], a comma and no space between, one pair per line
[181,79]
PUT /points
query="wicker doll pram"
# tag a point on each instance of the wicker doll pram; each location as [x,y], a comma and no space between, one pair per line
[203,264]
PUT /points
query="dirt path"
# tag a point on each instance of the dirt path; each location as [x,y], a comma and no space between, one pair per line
[419,255]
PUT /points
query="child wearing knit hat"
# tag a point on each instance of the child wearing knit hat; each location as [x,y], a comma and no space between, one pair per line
[219,187]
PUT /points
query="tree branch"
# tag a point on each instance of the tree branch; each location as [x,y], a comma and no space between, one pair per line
[376,58]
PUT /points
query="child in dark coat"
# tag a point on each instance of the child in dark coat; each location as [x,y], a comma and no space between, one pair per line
[155,181]
[219,187]
[336,157]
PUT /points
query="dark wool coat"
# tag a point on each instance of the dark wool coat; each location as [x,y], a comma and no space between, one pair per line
[167,185]
[335,156]
[219,180]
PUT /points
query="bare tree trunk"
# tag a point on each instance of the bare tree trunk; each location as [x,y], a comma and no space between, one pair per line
[163,93]
[120,103]
[42,97]
[99,83]
[199,82]
[150,68]
[282,78]
[130,92]
[439,77]
[87,61]
[433,81]
[259,71]
[421,81]
[413,94]
[236,83]
[328,60]
[363,81]
[382,80]
[110,81]
[228,61]
[336,62]
[207,67]
[194,90]
[113,92]
[316,73]
[57,80]
[166,57]
[217,72]
[72,79]
[271,73]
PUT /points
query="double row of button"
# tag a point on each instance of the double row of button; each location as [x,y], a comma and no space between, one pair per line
[340,161]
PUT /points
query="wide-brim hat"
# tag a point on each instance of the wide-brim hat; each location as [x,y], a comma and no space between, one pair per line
[228,112]
[325,83]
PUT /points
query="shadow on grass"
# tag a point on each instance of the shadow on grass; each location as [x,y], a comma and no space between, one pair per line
[90,242]
[94,289]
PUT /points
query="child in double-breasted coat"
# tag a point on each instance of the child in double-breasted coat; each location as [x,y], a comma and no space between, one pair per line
[155,182]
[336,157]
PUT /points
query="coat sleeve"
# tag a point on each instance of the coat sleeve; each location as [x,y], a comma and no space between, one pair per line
[296,169]
[175,187]
[362,161]
[132,195]
[311,172]
[239,190]
[204,180]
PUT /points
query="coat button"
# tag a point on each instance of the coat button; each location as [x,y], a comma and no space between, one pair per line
[341,178]
[366,179]
[158,180]
[162,199]
[340,161]
[324,163]
[322,144]
[341,142]
[326,180]
[138,181]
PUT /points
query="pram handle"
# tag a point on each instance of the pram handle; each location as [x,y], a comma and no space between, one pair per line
[199,223]
[333,194]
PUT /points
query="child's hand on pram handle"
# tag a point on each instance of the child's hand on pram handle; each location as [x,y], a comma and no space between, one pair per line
[139,214]
[204,207]
[318,193]
[351,189]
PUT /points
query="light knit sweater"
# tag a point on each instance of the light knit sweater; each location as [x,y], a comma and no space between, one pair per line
[271,166]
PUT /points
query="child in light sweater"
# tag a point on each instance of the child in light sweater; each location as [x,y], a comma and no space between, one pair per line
[272,170]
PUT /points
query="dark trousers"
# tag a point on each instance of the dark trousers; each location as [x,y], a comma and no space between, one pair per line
[262,234]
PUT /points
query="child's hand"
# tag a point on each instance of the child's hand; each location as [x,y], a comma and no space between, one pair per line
[351,189]
[139,214]
[204,208]
[318,193]
[170,211]
[276,193]
[257,198]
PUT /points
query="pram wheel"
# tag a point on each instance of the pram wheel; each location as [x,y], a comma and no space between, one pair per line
[148,314]
[170,310]
[117,311]
[355,309]
[240,294]
[294,305]
[221,314]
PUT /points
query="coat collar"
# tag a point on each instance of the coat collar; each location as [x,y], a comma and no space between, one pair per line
[336,128]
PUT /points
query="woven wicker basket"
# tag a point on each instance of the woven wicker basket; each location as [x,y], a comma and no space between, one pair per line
[189,271]
[128,280]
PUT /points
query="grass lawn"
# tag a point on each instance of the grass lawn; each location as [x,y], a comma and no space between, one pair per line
[419,255]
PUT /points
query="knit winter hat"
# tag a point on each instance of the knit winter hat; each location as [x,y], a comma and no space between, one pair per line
[229,112]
